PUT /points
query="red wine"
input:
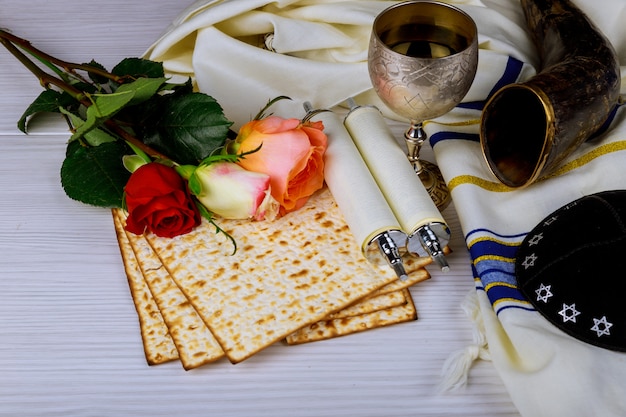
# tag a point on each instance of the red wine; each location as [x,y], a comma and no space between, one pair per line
[424,41]
[423,49]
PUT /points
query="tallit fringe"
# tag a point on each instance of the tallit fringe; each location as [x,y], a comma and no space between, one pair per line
[456,368]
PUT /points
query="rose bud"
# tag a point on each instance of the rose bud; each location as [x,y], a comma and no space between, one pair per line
[158,200]
[231,192]
[291,153]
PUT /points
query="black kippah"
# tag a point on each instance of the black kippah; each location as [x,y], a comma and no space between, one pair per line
[572,268]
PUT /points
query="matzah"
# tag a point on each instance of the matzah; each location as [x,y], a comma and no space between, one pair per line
[380,302]
[158,344]
[416,273]
[195,343]
[286,274]
[327,329]
[370,304]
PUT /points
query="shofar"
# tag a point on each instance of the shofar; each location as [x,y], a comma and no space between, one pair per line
[528,128]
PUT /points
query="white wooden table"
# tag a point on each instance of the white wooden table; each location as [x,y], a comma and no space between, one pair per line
[69,337]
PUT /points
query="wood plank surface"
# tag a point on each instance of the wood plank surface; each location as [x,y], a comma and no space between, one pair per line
[69,337]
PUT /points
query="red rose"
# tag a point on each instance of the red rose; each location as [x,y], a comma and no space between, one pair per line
[158,200]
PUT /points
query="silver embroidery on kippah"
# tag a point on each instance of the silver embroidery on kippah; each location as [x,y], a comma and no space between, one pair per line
[529,261]
[535,239]
[544,293]
[569,313]
[602,326]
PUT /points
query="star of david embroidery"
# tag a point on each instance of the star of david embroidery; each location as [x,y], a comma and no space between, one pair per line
[551,220]
[529,261]
[569,313]
[601,326]
[544,293]
[571,205]
[535,239]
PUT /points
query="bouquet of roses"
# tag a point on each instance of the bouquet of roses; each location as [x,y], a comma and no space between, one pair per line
[166,153]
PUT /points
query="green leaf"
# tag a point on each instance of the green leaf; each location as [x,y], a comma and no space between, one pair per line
[194,184]
[144,114]
[97,137]
[143,89]
[94,137]
[49,101]
[180,88]
[104,106]
[95,175]
[185,171]
[98,79]
[133,162]
[224,157]
[140,153]
[187,128]
[138,67]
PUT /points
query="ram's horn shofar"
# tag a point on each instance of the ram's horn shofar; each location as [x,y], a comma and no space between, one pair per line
[528,128]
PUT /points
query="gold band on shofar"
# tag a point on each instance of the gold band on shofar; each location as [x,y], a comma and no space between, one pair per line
[528,128]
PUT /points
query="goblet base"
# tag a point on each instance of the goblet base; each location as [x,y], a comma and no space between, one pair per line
[435,184]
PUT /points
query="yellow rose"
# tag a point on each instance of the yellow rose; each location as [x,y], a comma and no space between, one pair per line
[231,192]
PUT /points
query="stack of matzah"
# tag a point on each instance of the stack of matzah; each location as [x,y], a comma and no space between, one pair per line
[300,278]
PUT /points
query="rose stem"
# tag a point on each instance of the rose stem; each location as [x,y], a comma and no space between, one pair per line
[46,80]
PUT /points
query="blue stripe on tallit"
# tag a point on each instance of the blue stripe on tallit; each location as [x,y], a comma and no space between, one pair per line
[493,263]
[501,292]
[509,238]
[511,75]
[492,247]
[472,105]
[445,135]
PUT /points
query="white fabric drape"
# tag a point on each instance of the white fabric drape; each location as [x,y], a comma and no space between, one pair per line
[246,52]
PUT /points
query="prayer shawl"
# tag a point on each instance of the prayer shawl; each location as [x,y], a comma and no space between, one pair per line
[246,52]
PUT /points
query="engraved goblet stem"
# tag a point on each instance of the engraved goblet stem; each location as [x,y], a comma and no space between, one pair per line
[429,173]
[415,137]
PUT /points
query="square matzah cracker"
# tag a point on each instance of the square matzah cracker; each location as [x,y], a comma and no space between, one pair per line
[415,268]
[158,344]
[286,274]
[371,304]
[195,343]
[326,329]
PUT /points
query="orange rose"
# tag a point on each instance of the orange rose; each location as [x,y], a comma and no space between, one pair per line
[291,153]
